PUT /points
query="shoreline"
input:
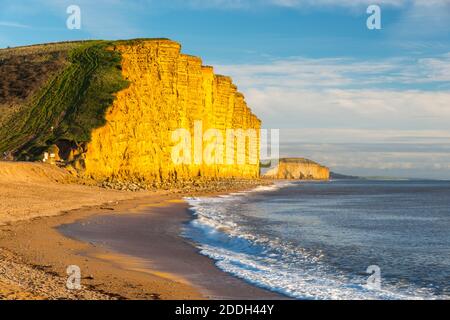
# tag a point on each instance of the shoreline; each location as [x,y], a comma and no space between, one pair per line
[41,252]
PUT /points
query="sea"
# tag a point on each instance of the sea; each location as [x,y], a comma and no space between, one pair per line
[343,239]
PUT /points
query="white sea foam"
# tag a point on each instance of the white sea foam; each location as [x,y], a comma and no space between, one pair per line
[272,187]
[273,263]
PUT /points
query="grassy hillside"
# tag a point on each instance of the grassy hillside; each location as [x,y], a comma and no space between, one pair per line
[23,71]
[67,101]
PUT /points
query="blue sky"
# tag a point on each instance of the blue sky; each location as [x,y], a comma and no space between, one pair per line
[371,102]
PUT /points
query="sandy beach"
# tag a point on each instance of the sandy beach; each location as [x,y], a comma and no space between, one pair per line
[34,253]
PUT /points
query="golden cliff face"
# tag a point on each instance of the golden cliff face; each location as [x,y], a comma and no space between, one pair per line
[299,169]
[168,91]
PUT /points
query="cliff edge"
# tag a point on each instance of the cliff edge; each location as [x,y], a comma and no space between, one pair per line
[170,91]
[108,110]
[298,169]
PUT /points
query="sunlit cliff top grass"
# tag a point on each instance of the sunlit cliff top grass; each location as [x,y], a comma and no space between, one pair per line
[55,93]
[297,160]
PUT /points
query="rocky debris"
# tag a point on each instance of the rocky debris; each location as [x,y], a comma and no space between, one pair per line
[198,185]
[123,186]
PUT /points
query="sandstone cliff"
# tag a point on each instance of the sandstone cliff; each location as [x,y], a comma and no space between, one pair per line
[168,90]
[298,169]
[108,110]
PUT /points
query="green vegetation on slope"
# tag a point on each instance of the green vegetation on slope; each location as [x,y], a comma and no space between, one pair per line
[297,160]
[25,70]
[70,106]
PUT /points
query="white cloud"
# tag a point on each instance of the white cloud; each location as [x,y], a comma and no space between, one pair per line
[424,19]
[382,117]
[388,93]
[373,136]
[383,109]
[337,3]
[10,24]
[303,73]
[405,153]
[254,4]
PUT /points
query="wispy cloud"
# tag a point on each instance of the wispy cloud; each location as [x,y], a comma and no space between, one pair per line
[380,117]
[254,4]
[302,73]
[373,136]
[423,19]
[10,24]
[334,108]
[336,3]
[407,153]
[398,92]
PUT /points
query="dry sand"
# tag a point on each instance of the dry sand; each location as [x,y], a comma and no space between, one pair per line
[29,190]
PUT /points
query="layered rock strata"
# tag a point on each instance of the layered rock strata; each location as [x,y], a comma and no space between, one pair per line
[170,91]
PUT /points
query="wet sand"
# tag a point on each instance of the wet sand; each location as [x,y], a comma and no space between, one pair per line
[148,240]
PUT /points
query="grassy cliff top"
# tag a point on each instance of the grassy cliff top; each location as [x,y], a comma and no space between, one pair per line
[55,94]
[24,70]
[297,160]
